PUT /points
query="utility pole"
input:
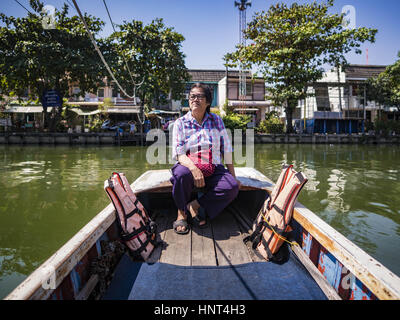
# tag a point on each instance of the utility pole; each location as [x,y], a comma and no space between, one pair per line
[141,124]
[364,107]
[242,6]
[305,115]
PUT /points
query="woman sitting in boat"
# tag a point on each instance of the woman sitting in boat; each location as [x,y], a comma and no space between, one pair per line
[200,141]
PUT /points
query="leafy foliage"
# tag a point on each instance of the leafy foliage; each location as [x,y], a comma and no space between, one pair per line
[3,115]
[227,108]
[70,117]
[42,59]
[154,54]
[290,45]
[95,123]
[236,121]
[271,124]
[384,127]
[385,88]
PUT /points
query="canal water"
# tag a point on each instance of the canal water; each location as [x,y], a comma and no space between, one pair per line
[48,193]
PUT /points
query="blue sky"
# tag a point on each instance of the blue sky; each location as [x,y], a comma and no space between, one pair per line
[211,27]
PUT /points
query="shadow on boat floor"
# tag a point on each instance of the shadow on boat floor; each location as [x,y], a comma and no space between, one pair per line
[212,264]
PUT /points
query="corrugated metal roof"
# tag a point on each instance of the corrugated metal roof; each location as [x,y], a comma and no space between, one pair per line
[201,75]
[235,73]
[363,72]
[246,109]
[206,75]
[250,103]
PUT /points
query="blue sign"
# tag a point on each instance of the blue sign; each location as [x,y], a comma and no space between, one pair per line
[51,98]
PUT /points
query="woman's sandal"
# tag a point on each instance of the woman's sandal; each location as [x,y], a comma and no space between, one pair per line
[198,219]
[181,223]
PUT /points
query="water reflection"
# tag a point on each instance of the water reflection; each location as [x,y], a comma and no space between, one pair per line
[353,188]
[48,193]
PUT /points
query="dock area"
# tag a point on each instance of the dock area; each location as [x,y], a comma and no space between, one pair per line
[110,138]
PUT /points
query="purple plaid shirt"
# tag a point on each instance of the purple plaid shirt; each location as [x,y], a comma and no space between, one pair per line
[189,135]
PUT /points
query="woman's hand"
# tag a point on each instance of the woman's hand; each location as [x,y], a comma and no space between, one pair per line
[198,177]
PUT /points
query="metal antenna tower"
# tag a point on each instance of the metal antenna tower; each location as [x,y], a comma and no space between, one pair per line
[242,5]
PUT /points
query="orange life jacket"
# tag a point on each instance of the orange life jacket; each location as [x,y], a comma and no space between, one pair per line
[137,230]
[271,227]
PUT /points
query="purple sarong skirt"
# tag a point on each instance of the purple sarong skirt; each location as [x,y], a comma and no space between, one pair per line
[220,190]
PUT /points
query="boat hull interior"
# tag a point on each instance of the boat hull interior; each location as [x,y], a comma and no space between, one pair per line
[212,262]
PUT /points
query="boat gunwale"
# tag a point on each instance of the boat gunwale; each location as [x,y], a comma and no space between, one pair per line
[61,263]
[382,282]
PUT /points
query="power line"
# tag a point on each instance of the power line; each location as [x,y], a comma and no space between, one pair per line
[108,12]
[127,66]
[123,56]
[99,52]
[70,3]
[23,7]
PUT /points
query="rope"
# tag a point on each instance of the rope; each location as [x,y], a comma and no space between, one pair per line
[104,61]
[123,57]
[278,235]
[99,52]
[24,7]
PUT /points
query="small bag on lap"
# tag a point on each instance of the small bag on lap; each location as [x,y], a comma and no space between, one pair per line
[137,230]
[202,159]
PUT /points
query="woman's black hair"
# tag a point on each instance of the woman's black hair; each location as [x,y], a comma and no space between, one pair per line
[207,92]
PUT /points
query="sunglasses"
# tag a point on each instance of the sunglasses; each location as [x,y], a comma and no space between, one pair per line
[199,96]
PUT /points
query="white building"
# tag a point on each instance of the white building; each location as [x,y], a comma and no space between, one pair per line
[338,103]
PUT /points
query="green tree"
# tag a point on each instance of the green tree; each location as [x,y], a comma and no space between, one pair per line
[153,54]
[2,114]
[41,59]
[385,88]
[290,46]
[271,124]
[234,121]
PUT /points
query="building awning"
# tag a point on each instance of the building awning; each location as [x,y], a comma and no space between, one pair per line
[160,112]
[85,103]
[26,109]
[186,109]
[391,109]
[123,110]
[82,113]
[246,109]
[249,103]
